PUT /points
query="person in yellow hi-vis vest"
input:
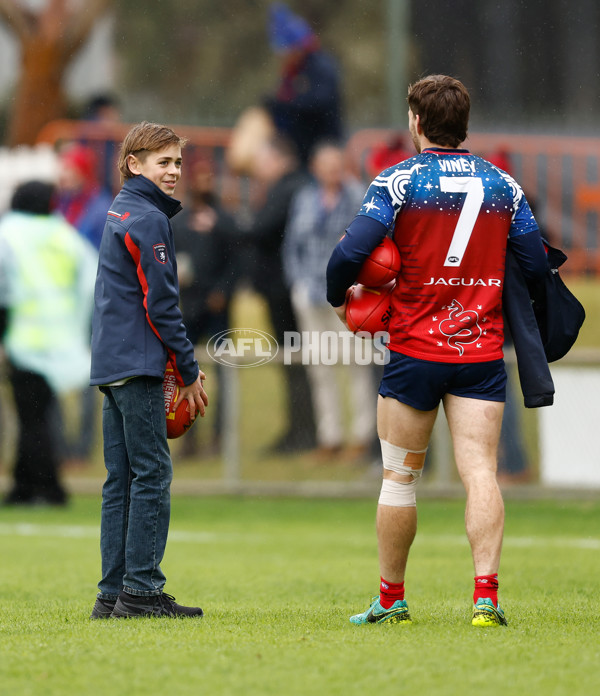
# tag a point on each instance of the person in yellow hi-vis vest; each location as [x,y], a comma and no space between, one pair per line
[47,274]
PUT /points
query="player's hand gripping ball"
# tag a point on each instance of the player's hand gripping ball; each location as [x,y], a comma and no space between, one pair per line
[179,421]
[382,266]
[369,309]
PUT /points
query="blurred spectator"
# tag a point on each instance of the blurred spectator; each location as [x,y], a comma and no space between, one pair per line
[84,204]
[501,158]
[306,106]
[388,154]
[253,128]
[80,198]
[318,212]
[104,109]
[277,170]
[513,465]
[204,235]
[47,273]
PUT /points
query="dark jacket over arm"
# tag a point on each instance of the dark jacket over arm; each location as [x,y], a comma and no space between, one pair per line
[544,318]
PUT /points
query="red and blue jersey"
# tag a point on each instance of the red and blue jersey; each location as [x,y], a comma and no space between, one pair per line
[452,214]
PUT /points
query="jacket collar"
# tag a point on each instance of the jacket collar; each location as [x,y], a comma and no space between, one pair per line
[142,186]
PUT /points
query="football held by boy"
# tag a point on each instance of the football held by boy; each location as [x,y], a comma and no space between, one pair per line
[137,326]
[452,215]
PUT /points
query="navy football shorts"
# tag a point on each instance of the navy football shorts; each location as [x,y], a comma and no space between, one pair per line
[422,383]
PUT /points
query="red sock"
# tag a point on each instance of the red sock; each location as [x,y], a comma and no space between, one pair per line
[486,586]
[389,592]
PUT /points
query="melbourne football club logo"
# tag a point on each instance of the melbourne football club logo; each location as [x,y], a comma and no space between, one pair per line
[160,253]
[461,327]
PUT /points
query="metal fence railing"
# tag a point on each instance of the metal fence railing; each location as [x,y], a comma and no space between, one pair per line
[560,174]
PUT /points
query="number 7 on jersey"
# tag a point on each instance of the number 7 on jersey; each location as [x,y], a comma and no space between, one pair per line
[473,187]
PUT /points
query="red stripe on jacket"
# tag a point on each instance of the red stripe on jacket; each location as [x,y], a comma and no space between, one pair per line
[136,255]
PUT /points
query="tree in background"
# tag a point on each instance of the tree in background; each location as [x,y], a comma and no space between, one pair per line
[49,39]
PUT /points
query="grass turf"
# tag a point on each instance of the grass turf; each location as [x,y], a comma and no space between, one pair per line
[278,580]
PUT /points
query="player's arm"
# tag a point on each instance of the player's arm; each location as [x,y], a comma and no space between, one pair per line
[530,253]
[525,241]
[524,237]
[375,217]
[362,236]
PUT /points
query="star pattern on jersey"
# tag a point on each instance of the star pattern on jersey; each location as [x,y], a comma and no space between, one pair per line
[412,189]
[371,205]
[516,190]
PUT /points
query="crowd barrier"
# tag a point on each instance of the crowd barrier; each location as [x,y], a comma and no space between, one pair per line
[560,174]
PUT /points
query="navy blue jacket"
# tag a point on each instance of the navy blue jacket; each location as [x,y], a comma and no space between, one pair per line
[544,318]
[311,111]
[137,322]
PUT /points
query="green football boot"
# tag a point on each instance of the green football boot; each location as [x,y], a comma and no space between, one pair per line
[397,613]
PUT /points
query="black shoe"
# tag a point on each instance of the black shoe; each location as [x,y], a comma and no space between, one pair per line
[103,608]
[132,606]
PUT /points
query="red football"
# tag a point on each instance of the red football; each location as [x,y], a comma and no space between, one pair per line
[179,421]
[382,266]
[369,309]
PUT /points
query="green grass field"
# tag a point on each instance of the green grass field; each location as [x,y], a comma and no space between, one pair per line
[277,580]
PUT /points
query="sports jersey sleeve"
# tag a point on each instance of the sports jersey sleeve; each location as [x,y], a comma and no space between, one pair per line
[149,242]
[362,236]
[381,204]
[523,220]
[524,236]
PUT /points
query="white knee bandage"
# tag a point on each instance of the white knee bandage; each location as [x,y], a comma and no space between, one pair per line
[398,494]
[401,461]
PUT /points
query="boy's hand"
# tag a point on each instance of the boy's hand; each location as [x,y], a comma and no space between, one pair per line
[196,396]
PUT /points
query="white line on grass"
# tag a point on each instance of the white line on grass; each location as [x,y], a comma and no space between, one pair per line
[64,531]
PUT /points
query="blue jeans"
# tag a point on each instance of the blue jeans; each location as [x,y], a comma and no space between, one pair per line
[136,501]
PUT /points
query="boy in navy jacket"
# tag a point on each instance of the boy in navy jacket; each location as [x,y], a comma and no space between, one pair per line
[136,327]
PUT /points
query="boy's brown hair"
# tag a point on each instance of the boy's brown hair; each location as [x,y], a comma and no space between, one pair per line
[442,104]
[143,138]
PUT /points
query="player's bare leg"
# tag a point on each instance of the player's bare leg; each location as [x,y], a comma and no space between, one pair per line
[404,432]
[475,428]
[403,426]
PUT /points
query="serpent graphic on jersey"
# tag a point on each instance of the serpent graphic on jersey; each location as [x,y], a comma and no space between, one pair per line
[461,327]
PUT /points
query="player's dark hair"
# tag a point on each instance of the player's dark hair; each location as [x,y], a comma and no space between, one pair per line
[442,104]
[143,138]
